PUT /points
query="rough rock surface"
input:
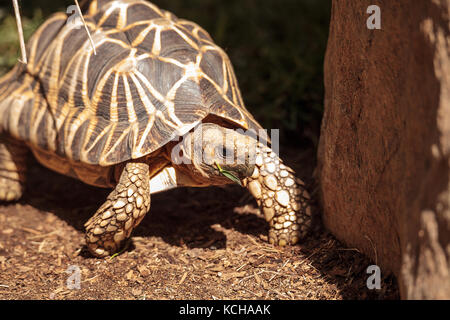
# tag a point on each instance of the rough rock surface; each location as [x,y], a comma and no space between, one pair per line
[384,152]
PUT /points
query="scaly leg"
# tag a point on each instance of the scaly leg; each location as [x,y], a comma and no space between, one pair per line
[12,169]
[123,210]
[281,196]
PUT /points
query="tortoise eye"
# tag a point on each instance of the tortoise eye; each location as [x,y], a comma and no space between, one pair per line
[224,152]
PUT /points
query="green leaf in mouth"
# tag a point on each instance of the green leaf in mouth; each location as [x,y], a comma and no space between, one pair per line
[228,174]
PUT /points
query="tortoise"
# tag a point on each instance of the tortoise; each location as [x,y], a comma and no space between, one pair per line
[116,117]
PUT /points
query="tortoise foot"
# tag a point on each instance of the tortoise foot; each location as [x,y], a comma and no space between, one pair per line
[10,191]
[282,197]
[12,170]
[123,210]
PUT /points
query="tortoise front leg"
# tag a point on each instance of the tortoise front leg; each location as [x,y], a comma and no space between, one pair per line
[281,196]
[123,210]
[12,169]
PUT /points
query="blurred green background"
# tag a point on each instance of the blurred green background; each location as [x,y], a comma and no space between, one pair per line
[277,48]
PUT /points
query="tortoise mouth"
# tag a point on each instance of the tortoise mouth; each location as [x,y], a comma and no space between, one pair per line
[236,172]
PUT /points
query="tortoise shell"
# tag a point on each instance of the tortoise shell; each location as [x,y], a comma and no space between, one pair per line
[153,78]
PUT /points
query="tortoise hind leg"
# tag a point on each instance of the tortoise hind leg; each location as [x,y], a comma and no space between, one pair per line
[123,210]
[12,169]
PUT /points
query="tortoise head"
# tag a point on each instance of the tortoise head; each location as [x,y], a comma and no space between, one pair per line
[218,154]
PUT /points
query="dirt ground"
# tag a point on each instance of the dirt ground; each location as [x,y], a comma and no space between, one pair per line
[194,244]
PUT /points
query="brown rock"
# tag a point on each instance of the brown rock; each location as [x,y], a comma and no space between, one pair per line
[384,151]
